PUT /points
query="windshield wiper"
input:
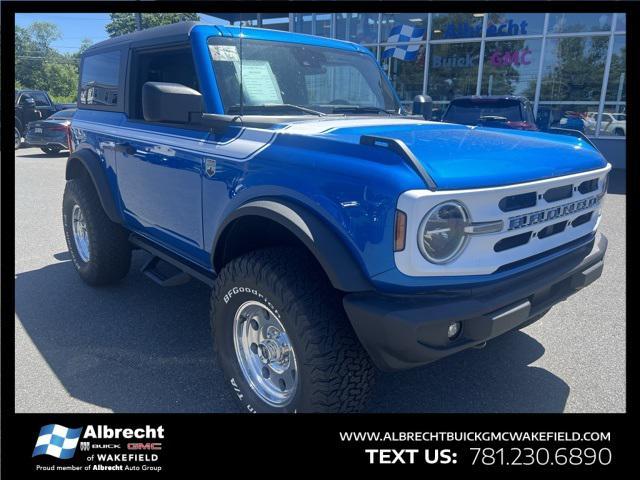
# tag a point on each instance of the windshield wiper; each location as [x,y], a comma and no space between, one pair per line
[361,109]
[274,106]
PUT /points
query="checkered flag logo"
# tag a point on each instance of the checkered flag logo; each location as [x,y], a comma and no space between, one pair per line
[57,441]
[400,34]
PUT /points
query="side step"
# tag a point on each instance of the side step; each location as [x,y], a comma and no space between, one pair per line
[187,270]
[150,269]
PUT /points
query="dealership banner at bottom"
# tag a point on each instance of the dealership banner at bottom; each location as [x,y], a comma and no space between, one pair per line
[50,444]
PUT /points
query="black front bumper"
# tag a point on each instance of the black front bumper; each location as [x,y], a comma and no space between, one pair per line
[401,332]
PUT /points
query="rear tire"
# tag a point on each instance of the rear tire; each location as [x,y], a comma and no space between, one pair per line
[51,150]
[284,289]
[99,248]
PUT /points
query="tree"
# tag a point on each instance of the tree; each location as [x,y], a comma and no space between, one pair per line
[40,66]
[122,23]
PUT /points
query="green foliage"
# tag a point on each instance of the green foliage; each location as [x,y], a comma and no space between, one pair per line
[42,67]
[122,23]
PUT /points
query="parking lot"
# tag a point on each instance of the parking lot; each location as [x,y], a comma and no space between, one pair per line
[138,347]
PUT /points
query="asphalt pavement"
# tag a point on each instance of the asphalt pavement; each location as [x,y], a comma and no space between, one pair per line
[138,347]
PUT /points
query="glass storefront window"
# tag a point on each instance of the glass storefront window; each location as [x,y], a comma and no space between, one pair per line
[281,23]
[573,68]
[511,67]
[407,76]
[456,25]
[391,20]
[323,24]
[621,22]
[616,86]
[514,24]
[581,117]
[363,28]
[302,23]
[453,70]
[579,22]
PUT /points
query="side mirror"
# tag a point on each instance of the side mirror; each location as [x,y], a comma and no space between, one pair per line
[423,105]
[28,101]
[543,120]
[170,102]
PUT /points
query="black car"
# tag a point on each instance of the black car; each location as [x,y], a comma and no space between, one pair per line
[501,111]
[52,134]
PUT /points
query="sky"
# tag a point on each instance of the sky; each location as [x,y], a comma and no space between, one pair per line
[77,26]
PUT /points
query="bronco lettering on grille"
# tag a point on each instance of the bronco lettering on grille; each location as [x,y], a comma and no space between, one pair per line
[542,216]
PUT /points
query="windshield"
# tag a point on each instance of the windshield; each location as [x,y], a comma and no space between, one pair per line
[64,113]
[472,112]
[294,79]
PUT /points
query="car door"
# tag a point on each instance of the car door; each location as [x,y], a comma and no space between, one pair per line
[159,178]
[160,165]
[43,104]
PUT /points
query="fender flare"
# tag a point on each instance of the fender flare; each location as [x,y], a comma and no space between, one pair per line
[339,264]
[93,166]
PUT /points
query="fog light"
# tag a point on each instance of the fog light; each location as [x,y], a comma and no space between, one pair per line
[454,330]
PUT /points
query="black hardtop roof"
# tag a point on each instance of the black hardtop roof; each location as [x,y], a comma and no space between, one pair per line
[166,33]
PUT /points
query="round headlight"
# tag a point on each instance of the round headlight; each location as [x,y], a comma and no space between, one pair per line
[441,236]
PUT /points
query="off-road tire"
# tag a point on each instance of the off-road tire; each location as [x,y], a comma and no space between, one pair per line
[110,251]
[335,373]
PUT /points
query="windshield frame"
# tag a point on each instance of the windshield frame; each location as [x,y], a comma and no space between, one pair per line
[386,85]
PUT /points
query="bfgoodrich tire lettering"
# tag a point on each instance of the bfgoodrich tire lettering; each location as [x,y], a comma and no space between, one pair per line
[109,249]
[334,372]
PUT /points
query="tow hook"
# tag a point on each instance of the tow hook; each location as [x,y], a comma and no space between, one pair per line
[480,345]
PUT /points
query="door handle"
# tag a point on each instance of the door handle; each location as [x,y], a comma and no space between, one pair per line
[125,148]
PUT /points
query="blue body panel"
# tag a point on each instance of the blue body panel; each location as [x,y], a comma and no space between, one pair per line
[164,194]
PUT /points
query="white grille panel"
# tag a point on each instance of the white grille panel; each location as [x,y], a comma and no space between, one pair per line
[479,257]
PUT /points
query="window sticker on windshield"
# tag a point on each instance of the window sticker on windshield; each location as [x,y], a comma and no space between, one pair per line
[224,53]
[259,84]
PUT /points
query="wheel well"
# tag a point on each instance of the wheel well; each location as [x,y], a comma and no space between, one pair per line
[249,233]
[75,169]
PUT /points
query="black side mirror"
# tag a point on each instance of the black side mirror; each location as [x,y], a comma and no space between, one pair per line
[543,120]
[423,105]
[170,102]
[28,101]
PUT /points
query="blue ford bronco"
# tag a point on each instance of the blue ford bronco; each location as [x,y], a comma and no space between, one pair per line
[337,232]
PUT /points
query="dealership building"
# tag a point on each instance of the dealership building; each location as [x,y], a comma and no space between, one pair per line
[570,65]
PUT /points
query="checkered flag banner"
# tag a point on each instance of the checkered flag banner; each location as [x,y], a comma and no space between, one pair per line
[57,441]
[404,33]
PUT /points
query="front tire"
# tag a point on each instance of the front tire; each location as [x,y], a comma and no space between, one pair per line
[99,248]
[283,339]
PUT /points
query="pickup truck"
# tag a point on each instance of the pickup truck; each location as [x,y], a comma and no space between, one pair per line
[339,235]
[33,105]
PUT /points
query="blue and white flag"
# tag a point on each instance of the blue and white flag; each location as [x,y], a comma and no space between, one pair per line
[57,441]
[404,33]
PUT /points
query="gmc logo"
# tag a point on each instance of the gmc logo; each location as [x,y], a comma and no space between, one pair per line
[144,446]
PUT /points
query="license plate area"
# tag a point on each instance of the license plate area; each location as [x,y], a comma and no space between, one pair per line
[37,130]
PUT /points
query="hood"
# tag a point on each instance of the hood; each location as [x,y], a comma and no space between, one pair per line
[460,156]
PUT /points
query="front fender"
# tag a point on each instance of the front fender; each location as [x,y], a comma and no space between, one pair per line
[340,265]
[89,162]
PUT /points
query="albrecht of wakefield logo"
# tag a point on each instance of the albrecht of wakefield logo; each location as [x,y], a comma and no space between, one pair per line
[57,441]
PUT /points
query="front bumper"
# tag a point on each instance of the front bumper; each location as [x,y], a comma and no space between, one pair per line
[401,332]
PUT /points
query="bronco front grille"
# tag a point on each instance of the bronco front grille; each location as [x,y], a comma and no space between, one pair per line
[536,217]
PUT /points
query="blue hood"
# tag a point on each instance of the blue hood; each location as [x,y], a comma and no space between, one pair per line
[460,157]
